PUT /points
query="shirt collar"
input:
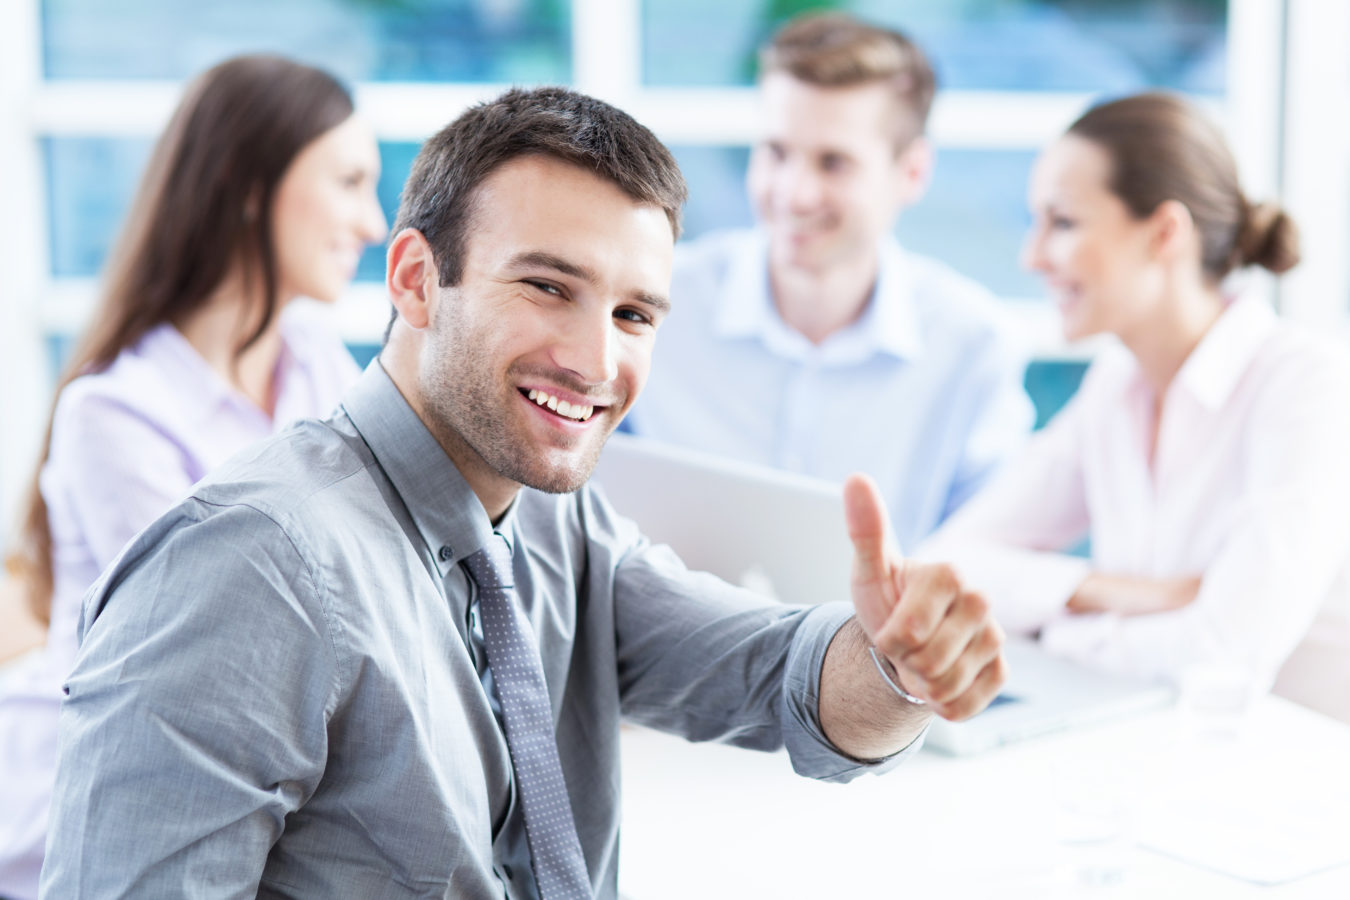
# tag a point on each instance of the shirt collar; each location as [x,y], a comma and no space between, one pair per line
[889,323]
[1216,365]
[166,344]
[446,511]
[896,323]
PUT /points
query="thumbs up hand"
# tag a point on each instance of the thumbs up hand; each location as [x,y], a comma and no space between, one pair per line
[942,640]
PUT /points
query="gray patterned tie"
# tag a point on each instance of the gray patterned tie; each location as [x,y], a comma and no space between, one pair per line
[513,656]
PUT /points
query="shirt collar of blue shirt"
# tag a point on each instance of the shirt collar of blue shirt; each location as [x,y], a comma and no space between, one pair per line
[444,508]
[889,324]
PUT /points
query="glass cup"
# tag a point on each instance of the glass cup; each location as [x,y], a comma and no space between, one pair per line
[1092,824]
[1215,699]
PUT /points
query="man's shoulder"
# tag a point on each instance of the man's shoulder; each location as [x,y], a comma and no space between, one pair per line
[712,254]
[958,313]
[574,526]
[944,293]
[311,464]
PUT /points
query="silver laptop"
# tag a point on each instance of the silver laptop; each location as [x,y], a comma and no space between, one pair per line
[1044,695]
[784,534]
[776,532]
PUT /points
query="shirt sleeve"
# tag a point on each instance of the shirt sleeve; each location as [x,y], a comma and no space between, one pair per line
[1008,541]
[712,662]
[195,718]
[116,469]
[1288,541]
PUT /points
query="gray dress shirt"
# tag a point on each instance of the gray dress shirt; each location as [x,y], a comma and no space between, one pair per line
[277,691]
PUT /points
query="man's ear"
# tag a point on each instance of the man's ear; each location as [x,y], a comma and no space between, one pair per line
[411,277]
[914,170]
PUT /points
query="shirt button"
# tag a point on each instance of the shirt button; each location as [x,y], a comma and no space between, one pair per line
[445,553]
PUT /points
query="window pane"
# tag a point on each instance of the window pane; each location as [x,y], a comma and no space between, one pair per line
[1068,45]
[91,181]
[396,159]
[374,40]
[716,178]
[973,217]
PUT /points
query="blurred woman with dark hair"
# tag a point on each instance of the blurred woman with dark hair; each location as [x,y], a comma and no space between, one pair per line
[260,191]
[1205,455]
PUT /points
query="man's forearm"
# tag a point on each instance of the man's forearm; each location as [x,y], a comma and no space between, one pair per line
[859,713]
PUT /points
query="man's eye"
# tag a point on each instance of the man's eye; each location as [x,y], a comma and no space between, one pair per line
[632,315]
[544,286]
[833,163]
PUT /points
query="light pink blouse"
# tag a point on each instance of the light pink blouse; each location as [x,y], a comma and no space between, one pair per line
[1249,487]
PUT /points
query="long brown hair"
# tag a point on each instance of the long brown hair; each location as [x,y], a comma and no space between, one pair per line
[1162,148]
[201,214]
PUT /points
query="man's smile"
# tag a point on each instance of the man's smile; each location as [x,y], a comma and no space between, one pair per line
[563,406]
[569,410]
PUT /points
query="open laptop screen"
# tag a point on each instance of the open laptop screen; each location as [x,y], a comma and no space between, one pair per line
[773,531]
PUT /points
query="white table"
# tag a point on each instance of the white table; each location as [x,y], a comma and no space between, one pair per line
[713,821]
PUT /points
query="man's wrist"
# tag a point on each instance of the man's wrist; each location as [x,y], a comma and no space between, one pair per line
[892,678]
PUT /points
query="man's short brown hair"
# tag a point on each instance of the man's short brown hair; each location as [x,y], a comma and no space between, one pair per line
[439,198]
[837,50]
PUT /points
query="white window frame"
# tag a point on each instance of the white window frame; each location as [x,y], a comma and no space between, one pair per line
[24,271]
[1315,161]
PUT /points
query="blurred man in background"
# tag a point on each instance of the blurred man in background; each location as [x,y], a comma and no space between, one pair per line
[814,342]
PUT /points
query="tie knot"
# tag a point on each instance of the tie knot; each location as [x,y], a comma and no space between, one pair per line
[490,566]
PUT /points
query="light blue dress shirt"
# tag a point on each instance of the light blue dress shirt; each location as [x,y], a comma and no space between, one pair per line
[277,691]
[923,392]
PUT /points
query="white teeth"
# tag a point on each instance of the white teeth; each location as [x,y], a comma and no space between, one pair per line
[562,407]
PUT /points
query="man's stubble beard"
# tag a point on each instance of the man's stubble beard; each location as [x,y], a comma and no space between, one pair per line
[468,411]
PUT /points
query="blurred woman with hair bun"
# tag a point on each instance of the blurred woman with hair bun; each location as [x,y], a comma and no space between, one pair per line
[1206,454]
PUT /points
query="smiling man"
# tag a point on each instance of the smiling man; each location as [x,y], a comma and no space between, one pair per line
[387,654]
[814,342]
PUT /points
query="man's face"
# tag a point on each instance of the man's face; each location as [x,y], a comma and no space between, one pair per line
[534,357]
[827,178]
